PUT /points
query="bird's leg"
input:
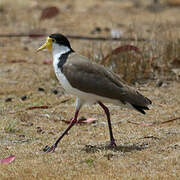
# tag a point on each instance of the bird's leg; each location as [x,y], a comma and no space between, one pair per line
[72,123]
[106,110]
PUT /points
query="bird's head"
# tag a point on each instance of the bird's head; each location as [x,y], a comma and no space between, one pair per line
[56,41]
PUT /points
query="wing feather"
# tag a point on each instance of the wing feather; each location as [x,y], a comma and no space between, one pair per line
[93,78]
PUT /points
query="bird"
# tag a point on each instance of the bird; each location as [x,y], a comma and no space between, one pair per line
[91,83]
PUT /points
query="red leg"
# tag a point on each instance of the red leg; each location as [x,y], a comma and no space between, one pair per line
[106,110]
[73,122]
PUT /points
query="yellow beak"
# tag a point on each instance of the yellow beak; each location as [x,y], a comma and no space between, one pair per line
[47,44]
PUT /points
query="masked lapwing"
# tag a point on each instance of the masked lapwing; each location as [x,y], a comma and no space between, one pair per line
[90,82]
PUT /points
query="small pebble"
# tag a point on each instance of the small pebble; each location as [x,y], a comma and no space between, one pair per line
[23,98]
[55,91]
[8,100]
[41,89]
[159,83]
[22,135]
[96,30]
[39,130]
[30,124]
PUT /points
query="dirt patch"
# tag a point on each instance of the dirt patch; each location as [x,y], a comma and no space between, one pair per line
[150,152]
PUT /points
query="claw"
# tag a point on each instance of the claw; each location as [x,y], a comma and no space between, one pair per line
[112,144]
[48,149]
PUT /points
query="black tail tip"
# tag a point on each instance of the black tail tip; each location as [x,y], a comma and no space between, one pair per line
[140,108]
[149,101]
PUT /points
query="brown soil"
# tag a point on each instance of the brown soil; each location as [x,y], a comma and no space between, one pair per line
[143,152]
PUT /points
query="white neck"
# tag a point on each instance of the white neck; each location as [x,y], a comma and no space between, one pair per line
[58,50]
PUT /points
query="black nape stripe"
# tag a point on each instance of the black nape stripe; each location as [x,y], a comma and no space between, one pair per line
[62,59]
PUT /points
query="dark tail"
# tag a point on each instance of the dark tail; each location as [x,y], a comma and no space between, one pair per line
[140,108]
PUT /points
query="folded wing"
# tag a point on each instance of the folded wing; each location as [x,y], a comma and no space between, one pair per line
[93,78]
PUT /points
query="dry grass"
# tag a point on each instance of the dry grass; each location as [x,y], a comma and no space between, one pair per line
[142,152]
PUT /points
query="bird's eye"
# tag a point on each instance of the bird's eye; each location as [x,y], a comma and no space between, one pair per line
[53,40]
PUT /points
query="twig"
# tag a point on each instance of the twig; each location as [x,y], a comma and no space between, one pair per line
[151,137]
[39,35]
[141,123]
[154,123]
[171,120]
[37,107]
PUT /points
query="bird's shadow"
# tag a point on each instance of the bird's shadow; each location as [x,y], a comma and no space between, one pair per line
[120,148]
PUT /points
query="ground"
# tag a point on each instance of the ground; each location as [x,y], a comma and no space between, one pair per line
[147,148]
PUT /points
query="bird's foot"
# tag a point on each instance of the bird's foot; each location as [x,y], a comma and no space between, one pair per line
[112,145]
[48,149]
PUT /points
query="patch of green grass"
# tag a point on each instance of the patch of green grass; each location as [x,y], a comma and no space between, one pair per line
[89,162]
[11,127]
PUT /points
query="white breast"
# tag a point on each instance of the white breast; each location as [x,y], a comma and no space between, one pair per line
[57,52]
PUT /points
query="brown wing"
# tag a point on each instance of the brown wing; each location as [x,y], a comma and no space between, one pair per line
[93,78]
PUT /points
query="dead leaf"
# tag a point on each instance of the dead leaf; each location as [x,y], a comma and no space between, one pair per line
[126,61]
[124,48]
[47,61]
[49,12]
[118,51]
[37,107]
[88,121]
[7,160]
